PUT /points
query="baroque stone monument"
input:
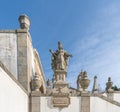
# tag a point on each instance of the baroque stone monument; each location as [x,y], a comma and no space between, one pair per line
[60,86]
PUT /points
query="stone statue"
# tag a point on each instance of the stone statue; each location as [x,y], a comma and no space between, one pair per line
[60,58]
[109,85]
[78,82]
[48,83]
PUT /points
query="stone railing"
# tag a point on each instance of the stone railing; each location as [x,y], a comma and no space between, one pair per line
[106,99]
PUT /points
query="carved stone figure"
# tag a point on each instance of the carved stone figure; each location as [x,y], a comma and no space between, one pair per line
[48,83]
[109,85]
[60,94]
[78,81]
[60,58]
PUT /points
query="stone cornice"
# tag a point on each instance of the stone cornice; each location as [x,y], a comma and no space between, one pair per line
[14,31]
[39,63]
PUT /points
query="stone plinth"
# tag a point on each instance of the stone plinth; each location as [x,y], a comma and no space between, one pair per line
[60,100]
[35,101]
[85,102]
[60,96]
[59,81]
[60,75]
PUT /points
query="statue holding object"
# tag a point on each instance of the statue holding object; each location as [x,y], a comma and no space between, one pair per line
[60,58]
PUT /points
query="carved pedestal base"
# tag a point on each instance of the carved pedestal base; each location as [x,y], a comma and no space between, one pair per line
[60,84]
[60,100]
[60,96]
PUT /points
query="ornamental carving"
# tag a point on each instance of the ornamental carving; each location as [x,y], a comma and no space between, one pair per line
[59,58]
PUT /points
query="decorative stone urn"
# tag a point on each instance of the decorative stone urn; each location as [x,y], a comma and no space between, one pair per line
[36,83]
[24,22]
[84,82]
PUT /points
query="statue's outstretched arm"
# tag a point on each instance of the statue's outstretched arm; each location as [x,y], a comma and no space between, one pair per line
[68,55]
[51,51]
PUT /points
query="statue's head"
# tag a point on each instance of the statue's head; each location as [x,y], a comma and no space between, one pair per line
[60,45]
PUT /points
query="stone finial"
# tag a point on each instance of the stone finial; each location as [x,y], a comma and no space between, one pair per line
[109,85]
[36,82]
[24,21]
[95,85]
[84,82]
[48,83]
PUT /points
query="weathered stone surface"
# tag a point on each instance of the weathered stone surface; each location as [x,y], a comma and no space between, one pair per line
[22,69]
[22,51]
[22,39]
[38,79]
[60,58]
[85,103]
[95,86]
[8,51]
[60,101]
[35,104]
[109,85]
[24,22]
[24,60]
[84,81]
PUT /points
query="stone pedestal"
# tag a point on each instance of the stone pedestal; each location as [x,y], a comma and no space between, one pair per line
[35,101]
[60,96]
[59,81]
[85,102]
[60,75]
[60,100]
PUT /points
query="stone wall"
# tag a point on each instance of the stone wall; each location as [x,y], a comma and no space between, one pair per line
[24,58]
[13,97]
[43,104]
[8,51]
[16,53]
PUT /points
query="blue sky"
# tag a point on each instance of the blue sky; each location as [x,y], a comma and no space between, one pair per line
[88,29]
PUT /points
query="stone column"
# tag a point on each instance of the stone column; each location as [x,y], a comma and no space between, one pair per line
[24,53]
[85,102]
[35,102]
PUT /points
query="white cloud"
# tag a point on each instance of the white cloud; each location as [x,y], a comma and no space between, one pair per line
[99,51]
